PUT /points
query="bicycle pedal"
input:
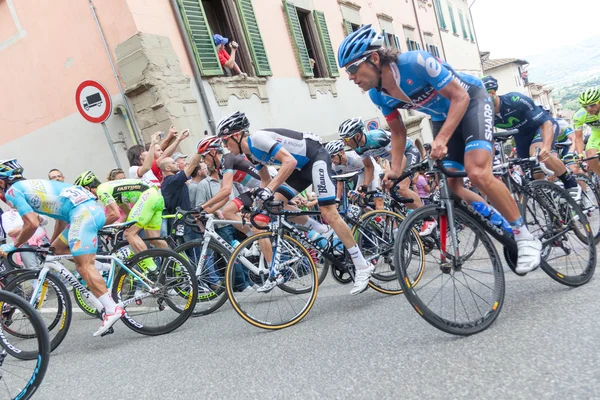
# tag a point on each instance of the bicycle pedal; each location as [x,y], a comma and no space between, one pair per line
[108,332]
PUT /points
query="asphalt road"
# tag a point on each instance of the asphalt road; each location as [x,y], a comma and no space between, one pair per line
[545,344]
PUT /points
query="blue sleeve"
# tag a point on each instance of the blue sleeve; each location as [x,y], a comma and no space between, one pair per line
[429,69]
[18,200]
[180,178]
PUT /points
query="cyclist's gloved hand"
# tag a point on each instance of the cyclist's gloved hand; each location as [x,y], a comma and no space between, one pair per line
[263,194]
[7,248]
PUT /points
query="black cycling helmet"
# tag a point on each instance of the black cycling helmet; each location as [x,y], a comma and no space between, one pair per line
[234,123]
[490,83]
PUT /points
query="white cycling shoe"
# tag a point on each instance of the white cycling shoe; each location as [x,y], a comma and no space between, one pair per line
[361,279]
[530,255]
[575,193]
[110,320]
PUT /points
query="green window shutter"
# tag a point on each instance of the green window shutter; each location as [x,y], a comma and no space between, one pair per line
[348,27]
[326,43]
[470,30]
[255,42]
[452,18]
[298,39]
[440,14]
[200,37]
[462,24]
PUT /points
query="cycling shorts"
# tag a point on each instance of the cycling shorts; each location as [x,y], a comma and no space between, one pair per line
[524,141]
[470,134]
[593,141]
[243,201]
[569,158]
[413,156]
[82,232]
[318,173]
[147,211]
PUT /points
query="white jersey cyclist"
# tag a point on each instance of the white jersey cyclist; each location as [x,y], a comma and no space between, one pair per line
[354,163]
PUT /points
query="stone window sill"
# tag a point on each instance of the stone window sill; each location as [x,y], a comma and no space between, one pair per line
[456,34]
[242,88]
[322,85]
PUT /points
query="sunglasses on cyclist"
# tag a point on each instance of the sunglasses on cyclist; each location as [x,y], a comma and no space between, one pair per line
[352,68]
[589,105]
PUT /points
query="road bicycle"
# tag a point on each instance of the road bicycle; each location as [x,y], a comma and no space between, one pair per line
[155,303]
[463,296]
[293,266]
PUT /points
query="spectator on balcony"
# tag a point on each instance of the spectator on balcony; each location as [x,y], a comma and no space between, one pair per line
[227,60]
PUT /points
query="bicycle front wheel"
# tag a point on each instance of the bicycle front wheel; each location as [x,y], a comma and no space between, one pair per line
[52,302]
[568,246]
[288,302]
[456,294]
[590,203]
[169,301]
[20,379]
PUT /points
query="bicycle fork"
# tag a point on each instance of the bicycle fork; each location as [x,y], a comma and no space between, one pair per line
[447,221]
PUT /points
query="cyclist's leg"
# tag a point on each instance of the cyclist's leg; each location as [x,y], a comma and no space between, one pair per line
[553,162]
[476,129]
[411,157]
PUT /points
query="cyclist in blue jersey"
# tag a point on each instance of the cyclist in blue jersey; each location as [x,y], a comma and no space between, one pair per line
[536,129]
[377,143]
[462,117]
[304,161]
[77,216]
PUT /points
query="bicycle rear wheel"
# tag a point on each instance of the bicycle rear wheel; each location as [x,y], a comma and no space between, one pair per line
[289,301]
[169,302]
[211,287]
[53,303]
[20,379]
[457,295]
[569,251]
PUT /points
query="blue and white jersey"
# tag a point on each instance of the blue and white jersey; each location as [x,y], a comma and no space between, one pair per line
[266,143]
[420,76]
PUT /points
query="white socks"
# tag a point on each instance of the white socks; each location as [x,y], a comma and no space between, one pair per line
[108,303]
[357,257]
[316,226]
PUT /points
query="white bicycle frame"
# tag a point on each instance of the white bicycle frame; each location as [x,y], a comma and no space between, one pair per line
[210,234]
[51,264]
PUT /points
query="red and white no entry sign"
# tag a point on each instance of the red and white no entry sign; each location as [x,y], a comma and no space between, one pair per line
[93,101]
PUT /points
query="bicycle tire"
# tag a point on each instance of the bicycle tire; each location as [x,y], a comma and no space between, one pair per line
[61,319]
[593,195]
[42,355]
[466,322]
[382,281]
[173,268]
[555,202]
[216,297]
[287,295]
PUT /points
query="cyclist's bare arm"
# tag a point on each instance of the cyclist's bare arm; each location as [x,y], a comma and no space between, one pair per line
[369,171]
[265,177]
[59,226]
[220,199]
[579,147]
[112,213]
[288,163]
[30,224]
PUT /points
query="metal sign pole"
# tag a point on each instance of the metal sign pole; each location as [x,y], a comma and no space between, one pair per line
[110,144]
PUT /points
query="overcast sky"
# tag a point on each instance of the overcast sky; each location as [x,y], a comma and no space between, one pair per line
[518,28]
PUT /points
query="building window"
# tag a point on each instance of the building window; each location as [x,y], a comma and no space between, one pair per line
[433,49]
[387,27]
[311,41]
[349,27]
[440,15]
[470,30]
[233,19]
[411,42]
[391,40]
[452,18]
[462,24]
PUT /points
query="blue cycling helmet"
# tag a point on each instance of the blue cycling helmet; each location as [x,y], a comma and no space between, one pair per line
[10,170]
[490,82]
[359,44]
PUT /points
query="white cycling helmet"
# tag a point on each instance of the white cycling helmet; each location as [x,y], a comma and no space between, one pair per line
[351,127]
[334,147]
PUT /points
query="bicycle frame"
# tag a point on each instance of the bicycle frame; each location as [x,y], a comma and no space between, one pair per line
[51,264]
